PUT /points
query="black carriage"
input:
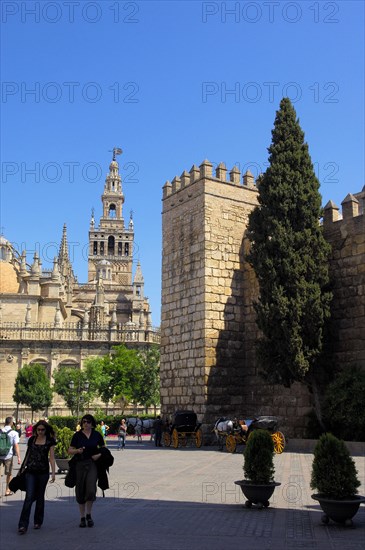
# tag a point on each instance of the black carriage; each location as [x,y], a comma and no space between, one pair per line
[240,432]
[184,427]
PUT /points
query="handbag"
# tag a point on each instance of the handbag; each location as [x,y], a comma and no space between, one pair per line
[70,479]
[18,482]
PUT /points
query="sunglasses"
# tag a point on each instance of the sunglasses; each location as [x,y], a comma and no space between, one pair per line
[41,430]
[86,421]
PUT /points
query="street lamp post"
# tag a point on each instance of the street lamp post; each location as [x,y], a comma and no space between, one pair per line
[79,390]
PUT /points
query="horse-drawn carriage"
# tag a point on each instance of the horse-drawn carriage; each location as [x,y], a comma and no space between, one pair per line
[234,432]
[184,427]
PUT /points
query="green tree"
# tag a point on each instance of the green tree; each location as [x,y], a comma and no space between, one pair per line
[149,384]
[343,407]
[125,369]
[290,258]
[116,376]
[33,388]
[76,397]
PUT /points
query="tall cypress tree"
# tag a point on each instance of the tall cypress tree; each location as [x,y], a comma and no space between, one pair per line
[290,258]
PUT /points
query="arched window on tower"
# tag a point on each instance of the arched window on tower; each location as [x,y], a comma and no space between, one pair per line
[95,248]
[112,211]
[102,248]
[111,245]
[120,249]
[126,249]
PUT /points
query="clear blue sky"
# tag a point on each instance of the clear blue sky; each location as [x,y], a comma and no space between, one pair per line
[154,79]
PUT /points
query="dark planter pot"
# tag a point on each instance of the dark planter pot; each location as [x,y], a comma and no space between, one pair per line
[62,464]
[257,493]
[340,511]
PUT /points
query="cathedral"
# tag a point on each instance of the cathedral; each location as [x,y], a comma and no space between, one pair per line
[48,317]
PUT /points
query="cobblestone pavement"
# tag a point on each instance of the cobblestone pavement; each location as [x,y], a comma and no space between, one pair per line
[185,499]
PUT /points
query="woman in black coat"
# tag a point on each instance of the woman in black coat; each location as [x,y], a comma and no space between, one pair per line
[85,446]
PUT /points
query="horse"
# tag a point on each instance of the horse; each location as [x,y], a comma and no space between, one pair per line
[222,427]
[138,426]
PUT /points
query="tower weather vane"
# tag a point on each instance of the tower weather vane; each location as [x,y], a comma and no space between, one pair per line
[116,151]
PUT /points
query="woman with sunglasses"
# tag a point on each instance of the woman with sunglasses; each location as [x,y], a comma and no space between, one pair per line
[40,454]
[85,446]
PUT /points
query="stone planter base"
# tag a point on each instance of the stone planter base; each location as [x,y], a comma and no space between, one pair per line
[340,511]
[62,465]
[257,493]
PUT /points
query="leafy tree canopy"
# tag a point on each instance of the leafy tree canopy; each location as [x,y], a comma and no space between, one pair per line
[343,408]
[33,388]
[76,397]
[149,383]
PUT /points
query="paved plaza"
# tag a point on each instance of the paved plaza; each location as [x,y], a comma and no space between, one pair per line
[185,499]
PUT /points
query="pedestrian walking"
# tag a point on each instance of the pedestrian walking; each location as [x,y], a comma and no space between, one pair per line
[104,428]
[86,445]
[122,434]
[29,431]
[9,446]
[40,454]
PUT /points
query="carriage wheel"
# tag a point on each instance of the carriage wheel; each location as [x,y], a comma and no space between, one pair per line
[198,438]
[167,439]
[231,443]
[175,438]
[279,442]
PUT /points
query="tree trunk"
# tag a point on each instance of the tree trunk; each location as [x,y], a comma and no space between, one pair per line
[316,398]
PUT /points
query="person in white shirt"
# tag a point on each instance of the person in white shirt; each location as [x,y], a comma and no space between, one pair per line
[7,460]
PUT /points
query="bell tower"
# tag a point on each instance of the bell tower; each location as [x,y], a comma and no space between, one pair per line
[111,243]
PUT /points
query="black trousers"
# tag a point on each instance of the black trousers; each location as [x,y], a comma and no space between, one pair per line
[35,488]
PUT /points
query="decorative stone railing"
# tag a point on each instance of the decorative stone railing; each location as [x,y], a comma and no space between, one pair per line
[76,332]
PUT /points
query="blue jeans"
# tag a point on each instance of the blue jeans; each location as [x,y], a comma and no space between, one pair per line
[35,488]
[121,441]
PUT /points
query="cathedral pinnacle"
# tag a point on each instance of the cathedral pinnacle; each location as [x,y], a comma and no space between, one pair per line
[63,253]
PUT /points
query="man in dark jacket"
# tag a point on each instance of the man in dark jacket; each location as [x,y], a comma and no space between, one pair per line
[157,426]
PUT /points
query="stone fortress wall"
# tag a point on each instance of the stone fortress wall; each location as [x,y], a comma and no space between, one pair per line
[346,234]
[208,327]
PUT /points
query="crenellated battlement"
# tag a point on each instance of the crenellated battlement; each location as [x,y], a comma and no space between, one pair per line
[205,171]
[352,213]
[345,232]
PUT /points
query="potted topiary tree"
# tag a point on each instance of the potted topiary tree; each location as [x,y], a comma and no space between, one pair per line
[258,485]
[334,475]
[63,442]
